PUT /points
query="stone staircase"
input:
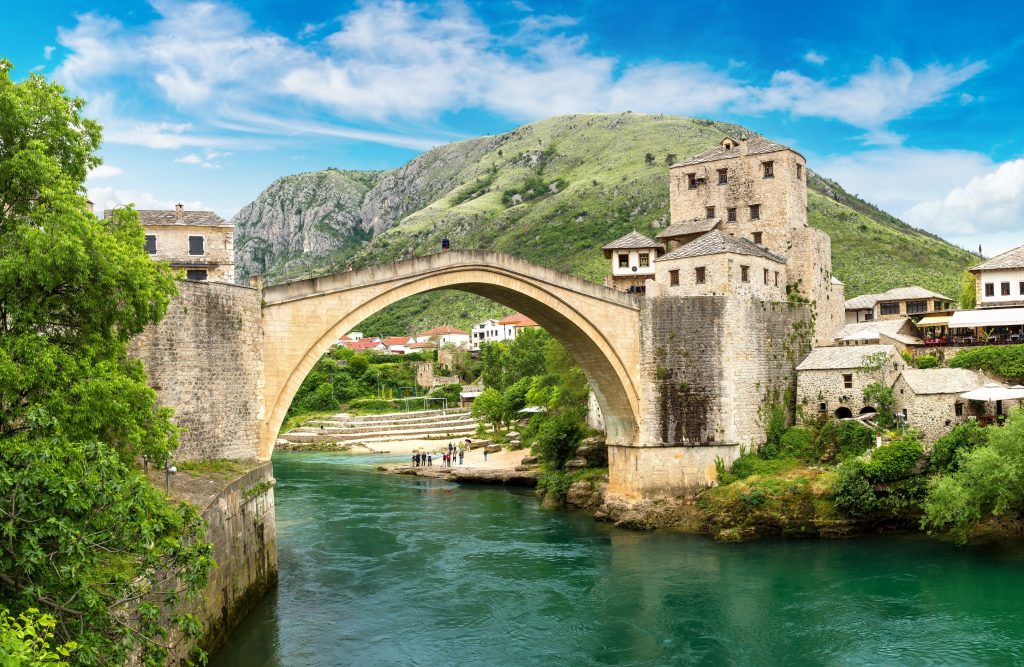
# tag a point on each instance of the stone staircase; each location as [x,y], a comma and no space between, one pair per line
[343,429]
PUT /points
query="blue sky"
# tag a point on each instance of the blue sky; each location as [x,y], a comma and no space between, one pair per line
[913,106]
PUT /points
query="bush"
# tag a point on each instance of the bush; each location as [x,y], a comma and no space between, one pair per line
[895,460]
[854,494]
[1005,360]
[750,463]
[882,398]
[799,443]
[372,406]
[949,450]
[927,361]
[558,438]
[25,640]
[449,391]
[774,429]
[320,399]
[852,440]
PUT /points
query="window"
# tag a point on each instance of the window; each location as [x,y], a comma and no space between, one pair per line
[823,407]
[196,245]
[938,305]
[195,274]
[723,176]
[151,245]
[799,172]
[623,261]
[1004,289]
[769,169]
[958,409]
[709,211]
[757,238]
[755,211]
[776,278]
[891,308]
[731,213]
[917,307]
[1022,287]
[766,274]
[990,289]
[847,380]
[691,180]
[745,274]
[868,316]
[645,259]
[673,277]
[700,275]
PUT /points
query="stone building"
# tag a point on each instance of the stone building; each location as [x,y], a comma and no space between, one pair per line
[756,190]
[632,257]
[901,333]
[929,399]
[200,243]
[896,304]
[717,264]
[831,380]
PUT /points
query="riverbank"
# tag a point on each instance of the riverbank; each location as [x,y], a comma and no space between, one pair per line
[501,466]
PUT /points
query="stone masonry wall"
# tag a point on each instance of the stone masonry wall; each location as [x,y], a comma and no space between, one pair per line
[815,387]
[205,360]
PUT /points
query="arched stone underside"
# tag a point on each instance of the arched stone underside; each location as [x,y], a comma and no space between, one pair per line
[597,325]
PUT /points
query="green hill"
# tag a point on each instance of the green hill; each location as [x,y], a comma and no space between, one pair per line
[552,192]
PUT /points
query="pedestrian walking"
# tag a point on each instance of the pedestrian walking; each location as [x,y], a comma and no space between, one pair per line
[415,460]
[430,460]
[485,455]
[462,452]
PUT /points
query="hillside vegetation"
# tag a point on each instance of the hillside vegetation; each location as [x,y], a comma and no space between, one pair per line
[552,192]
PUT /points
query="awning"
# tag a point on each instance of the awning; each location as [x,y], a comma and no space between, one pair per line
[934,321]
[993,392]
[470,394]
[990,317]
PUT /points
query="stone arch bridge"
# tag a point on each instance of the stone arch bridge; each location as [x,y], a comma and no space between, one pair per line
[599,326]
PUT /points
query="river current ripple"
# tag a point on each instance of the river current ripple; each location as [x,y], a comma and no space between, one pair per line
[384,570]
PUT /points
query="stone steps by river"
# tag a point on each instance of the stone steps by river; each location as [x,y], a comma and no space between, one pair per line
[344,429]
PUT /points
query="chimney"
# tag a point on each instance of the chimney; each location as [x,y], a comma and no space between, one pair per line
[743,145]
[179,211]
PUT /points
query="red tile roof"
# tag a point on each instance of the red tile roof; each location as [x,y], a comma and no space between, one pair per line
[364,344]
[396,340]
[437,331]
[518,320]
[422,345]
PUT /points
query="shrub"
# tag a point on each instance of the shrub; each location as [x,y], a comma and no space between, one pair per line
[373,406]
[752,499]
[949,450]
[750,463]
[799,443]
[449,391]
[882,398]
[558,438]
[1005,360]
[927,361]
[774,429]
[852,440]
[854,494]
[320,399]
[895,460]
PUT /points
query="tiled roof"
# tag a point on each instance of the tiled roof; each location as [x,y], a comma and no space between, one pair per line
[437,331]
[698,226]
[423,345]
[868,301]
[942,380]
[364,344]
[1011,259]
[837,358]
[634,239]
[396,340]
[755,146]
[518,320]
[871,330]
[716,243]
[194,218]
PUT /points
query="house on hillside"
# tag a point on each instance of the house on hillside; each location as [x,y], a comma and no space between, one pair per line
[929,399]
[373,345]
[831,380]
[445,335]
[489,331]
[398,344]
[898,303]
[200,243]
[999,315]
[632,261]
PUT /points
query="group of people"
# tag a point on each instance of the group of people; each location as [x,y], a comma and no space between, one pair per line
[448,456]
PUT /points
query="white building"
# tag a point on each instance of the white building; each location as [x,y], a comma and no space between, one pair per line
[398,344]
[444,336]
[496,331]
[632,258]
[1000,280]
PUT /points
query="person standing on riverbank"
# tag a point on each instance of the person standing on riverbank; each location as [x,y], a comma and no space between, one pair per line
[485,455]
[430,460]
[462,453]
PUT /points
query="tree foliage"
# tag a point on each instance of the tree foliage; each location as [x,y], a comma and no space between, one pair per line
[25,640]
[881,397]
[85,536]
[1005,360]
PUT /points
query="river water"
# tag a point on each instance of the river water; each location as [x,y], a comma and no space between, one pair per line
[386,570]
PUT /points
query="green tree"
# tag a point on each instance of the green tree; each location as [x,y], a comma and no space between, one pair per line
[489,407]
[25,640]
[85,536]
[968,290]
[881,397]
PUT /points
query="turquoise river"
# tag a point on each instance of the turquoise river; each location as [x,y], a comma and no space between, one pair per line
[386,570]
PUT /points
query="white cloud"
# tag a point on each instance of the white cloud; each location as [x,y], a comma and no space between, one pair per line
[48,52]
[815,57]
[104,171]
[404,65]
[191,158]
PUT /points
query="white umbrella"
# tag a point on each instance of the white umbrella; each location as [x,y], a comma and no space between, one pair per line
[993,392]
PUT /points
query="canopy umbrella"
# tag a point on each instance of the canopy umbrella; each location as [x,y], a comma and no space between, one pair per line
[993,392]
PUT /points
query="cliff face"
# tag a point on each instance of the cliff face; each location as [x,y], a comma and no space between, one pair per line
[552,192]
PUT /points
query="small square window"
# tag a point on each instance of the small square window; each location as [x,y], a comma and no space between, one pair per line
[847,380]
[891,308]
[769,169]
[799,172]
[990,289]
[755,211]
[196,245]
[767,273]
[745,274]
[700,275]
[1004,289]
[958,409]
[673,277]
[195,274]
[731,215]
[645,259]
[823,407]
[623,261]
[757,238]
[938,305]
[723,176]
[709,211]
[151,244]
[691,180]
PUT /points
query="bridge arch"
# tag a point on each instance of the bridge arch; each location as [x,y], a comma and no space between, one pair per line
[598,326]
